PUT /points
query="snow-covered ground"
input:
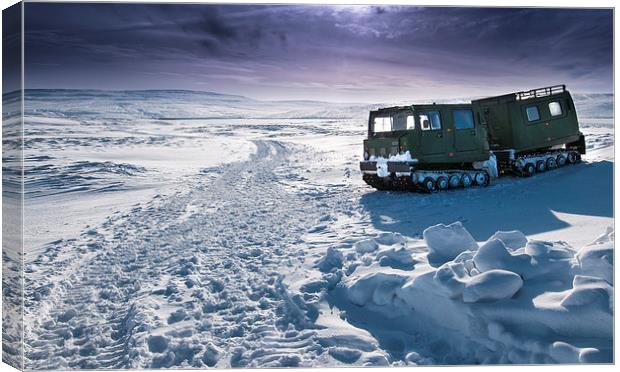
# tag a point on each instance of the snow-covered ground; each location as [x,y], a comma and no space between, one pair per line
[171,228]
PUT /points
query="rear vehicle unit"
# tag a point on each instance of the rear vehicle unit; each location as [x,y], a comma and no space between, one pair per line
[532,131]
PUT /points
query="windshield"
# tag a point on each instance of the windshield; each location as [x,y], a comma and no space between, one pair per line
[391,122]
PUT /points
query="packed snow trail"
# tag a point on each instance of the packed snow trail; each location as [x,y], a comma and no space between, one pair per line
[189,279]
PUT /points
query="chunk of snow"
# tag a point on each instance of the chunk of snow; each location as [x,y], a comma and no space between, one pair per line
[345,355]
[446,242]
[177,316]
[597,260]
[211,355]
[375,359]
[377,288]
[157,344]
[453,277]
[400,258]
[489,165]
[564,352]
[67,315]
[589,291]
[537,248]
[382,168]
[390,238]
[492,285]
[366,246]
[511,239]
[494,255]
[332,260]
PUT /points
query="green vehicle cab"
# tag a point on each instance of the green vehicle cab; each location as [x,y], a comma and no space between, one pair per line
[434,143]
[435,135]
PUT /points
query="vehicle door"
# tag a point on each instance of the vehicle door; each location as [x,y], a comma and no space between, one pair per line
[432,134]
[404,126]
[465,134]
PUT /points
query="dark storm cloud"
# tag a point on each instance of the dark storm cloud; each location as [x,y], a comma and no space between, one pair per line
[317,51]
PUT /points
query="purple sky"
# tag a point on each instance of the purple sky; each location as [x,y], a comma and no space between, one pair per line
[337,53]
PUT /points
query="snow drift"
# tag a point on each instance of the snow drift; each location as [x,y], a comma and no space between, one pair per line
[507,300]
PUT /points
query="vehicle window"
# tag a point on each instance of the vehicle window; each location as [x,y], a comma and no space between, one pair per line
[532,113]
[430,120]
[399,121]
[435,120]
[425,122]
[463,119]
[382,124]
[555,109]
[410,122]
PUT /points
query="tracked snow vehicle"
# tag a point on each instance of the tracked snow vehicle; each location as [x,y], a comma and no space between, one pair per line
[439,147]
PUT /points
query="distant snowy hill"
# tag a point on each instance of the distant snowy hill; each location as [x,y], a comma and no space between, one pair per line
[594,105]
[177,104]
[182,104]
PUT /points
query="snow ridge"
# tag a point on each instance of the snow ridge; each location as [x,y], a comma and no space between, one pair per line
[508,300]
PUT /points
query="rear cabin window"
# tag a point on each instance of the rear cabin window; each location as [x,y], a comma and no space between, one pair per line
[382,124]
[430,120]
[555,109]
[410,122]
[532,113]
[463,119]
[399,121]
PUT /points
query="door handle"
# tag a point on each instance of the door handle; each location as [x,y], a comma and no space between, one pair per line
[473,132]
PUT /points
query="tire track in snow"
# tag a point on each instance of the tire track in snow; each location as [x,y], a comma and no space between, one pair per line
[192,279]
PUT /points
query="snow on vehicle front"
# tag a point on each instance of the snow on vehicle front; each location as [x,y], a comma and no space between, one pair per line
[382,163]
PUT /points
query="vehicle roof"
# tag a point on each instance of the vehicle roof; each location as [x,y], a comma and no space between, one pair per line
[419,105]
[525,95]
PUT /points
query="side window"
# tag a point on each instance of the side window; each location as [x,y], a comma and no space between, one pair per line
[555,109]
[382,124]
[399,121]
[430,120]
[463,119]
[532,113]
[435,120]
[425,122]
[410,122]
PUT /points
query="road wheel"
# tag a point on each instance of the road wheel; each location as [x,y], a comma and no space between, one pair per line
[541,166]
[560,160]
[551,163]
[466,180]
[428,184]
[529,169]
[572,157]
[455,181]
[482,178]
[442,183]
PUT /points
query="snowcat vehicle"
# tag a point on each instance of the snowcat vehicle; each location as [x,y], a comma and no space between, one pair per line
[446,146]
